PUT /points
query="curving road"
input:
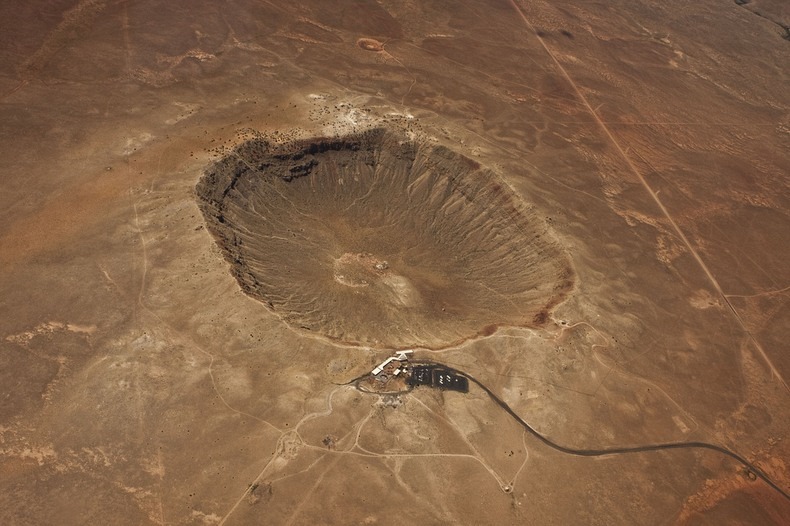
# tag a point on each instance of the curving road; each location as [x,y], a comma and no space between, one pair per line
[620,450]
[607,451]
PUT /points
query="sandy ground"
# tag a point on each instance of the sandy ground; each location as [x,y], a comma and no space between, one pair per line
[139,384]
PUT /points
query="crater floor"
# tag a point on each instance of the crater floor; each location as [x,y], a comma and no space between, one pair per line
[376,240]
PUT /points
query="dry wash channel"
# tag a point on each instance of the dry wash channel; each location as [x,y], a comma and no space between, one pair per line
[377,240]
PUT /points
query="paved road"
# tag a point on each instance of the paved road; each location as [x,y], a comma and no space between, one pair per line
[621,450]
[606,451]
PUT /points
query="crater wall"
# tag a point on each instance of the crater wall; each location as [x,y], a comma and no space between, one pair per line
[376,240]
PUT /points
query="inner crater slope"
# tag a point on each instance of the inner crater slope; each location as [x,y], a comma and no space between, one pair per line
[373,239]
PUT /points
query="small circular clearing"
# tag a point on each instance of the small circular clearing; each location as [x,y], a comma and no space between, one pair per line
[370,44]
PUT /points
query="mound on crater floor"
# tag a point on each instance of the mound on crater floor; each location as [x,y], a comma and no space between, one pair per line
[376,240]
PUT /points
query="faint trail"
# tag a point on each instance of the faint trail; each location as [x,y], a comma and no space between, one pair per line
[660,123]
[22,84]
[161,469]
[460,433]
[442,517]
[519,155]
[144,270]
[737,249]
[75,21]
[255,481]
[275,455]
[246,491]
[295,473]
[110,280]
[178,335]
[499,79]
[312,489]
[564,328]
[368,453]
[526,458]
[413,77]
[327,412]
[127,57]
[760,294]
[358,450]
[629,374]
[219,394]
[133,260]
[362,424]
[653,195]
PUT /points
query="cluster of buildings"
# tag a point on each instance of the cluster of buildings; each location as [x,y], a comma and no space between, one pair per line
[397,369]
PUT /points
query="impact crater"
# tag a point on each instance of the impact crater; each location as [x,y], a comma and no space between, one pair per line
[373,239]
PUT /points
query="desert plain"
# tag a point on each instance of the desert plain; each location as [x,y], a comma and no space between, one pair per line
[217,217]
